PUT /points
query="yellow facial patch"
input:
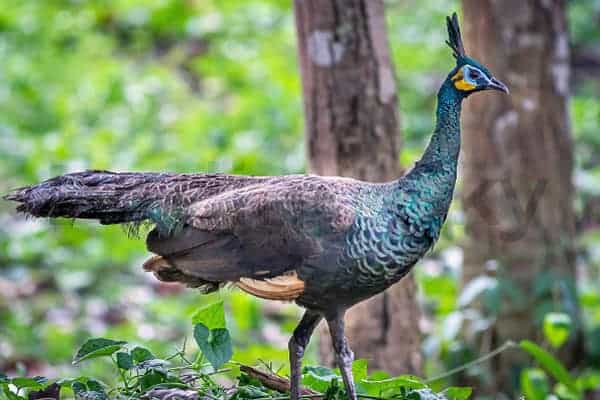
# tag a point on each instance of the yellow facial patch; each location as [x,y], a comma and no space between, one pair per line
[463,85]
[460,83]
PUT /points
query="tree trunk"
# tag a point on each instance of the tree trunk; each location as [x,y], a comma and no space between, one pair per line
[352,129]
[517,167]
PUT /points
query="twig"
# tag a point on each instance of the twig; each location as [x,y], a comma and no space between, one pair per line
[507,345]
[276,382]
[219,371]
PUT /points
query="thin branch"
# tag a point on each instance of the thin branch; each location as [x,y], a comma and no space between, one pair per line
[507,345]
[275,382]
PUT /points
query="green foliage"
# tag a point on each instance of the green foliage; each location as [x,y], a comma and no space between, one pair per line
[141,354]
[211,334]
[551,365]
[141,375]
[94,348]
[393,385]
[214,343]
[214,86]
[458,393]
[534,384]
[557,327]
[211,316]
[124,360]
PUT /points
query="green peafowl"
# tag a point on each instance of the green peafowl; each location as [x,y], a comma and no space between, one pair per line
[326,243]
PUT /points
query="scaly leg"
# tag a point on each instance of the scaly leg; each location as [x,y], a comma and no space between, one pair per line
[297,345]
[343,354]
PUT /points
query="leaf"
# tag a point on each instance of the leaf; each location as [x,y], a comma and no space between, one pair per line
[29,383]
[359,369]
[563,392]
[141,354]
[251,392]
[458,393]
[334,391]
[549,363]
[150,379]
[589,380]
[214,343]
[534,384]
[95,386]
[318,378]
[69,381]
[557,328]
[9,394]
[78,387]
[98,347]
[376,387]
[92,389]
[211,316]
[124,360]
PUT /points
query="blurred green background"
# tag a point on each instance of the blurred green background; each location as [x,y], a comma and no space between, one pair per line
[177,85]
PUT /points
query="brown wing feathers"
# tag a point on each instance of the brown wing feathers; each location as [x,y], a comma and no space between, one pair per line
[284,287]
[254,237]
[210,228]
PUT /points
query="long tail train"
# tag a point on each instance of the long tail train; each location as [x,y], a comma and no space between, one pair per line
[110,197]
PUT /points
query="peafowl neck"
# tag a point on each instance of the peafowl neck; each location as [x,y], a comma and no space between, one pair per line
[433,178]
[444,145]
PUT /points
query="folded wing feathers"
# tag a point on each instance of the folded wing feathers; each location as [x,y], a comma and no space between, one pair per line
[284,287]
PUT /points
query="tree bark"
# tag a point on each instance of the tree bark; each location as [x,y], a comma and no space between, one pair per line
[517,169]
[352,129]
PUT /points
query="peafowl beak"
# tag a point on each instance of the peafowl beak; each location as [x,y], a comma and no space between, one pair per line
[495,84]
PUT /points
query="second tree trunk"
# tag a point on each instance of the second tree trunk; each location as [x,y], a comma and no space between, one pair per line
[517,170]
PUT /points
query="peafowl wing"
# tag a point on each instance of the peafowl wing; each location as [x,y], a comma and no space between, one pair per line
[257,236]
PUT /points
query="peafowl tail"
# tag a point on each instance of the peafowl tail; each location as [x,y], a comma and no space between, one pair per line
[110,197]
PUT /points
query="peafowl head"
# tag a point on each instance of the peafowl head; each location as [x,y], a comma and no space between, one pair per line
[469,76]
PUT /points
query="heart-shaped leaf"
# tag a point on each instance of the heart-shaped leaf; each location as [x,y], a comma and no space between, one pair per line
[98,347]
[124,360]
[141,354]
[214,343]
[211,316]
[557,327]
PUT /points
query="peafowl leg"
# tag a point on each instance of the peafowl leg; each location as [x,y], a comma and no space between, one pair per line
[344,356]
[297,345]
